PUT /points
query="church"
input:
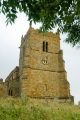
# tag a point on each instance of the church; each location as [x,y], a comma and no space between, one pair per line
[41,73]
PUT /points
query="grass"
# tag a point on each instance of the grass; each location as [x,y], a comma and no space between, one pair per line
[21,109]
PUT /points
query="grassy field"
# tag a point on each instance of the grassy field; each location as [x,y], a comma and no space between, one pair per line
[11,109]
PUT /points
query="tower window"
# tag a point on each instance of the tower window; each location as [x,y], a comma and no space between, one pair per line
[45,46]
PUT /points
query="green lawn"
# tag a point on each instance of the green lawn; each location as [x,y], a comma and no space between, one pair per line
[11,109]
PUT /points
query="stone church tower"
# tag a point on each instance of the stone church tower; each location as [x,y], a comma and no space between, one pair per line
[41,64]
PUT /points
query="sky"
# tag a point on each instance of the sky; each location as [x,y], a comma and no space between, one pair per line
[10,38]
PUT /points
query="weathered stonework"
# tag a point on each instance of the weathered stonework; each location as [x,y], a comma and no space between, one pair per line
[12,83]
[42,73]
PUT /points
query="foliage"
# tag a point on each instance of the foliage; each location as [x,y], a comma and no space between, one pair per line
[64,14]
[14,109]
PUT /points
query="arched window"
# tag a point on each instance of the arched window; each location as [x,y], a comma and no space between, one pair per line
[10,92]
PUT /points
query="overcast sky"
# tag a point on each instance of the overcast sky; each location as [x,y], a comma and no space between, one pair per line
[10,38]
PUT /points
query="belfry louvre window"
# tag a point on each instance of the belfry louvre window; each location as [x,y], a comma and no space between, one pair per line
[45,46]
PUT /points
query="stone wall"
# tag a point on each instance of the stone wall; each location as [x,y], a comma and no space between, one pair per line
[42,73]
[12,83]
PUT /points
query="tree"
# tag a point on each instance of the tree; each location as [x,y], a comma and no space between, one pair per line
[63,14]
